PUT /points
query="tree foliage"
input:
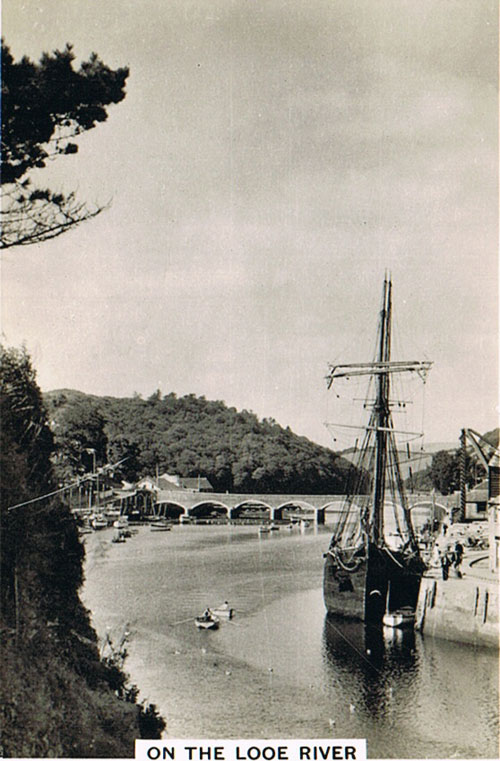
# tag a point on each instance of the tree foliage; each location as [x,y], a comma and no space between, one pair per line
[58,698]
[41,553]
[191,436]
[45,106]
[445,471]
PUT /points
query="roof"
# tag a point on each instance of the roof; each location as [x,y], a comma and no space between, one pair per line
[168,485]
[124,493]
[160,483]
[479,493]
[197,483]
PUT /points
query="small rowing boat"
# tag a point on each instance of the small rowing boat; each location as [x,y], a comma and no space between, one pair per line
[207,621]
[400,618]
[98,522]
[160,526]
[223,611]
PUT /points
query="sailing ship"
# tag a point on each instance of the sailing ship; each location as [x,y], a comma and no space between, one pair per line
[368,570]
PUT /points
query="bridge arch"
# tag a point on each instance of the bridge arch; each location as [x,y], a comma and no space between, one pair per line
[251,508]
[294,508]
[427,508]
[208,510]
[169,509]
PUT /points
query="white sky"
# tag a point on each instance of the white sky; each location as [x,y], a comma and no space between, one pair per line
[271,159]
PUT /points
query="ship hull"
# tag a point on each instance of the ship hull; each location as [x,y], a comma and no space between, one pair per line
[381,582]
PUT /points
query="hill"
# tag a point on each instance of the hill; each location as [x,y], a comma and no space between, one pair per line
[189,436]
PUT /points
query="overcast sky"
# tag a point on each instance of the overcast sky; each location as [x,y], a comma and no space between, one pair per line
[271,159]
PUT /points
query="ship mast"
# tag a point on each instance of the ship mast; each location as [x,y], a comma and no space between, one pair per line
[380,431]
[382,419]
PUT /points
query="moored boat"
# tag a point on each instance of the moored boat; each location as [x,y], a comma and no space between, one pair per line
[400,618]
[161,526]
[82,530]
[223,611]
[98,522]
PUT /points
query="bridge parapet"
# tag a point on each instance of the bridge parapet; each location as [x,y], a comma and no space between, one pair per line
[315,506]
[189,499]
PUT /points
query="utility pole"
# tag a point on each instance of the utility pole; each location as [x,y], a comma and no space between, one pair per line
[91,451]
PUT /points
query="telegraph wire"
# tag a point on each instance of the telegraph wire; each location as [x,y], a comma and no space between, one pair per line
[78,482]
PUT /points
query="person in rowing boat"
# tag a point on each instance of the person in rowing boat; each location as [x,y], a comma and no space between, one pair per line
[207,614]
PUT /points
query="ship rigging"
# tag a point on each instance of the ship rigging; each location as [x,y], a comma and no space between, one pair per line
[368,573]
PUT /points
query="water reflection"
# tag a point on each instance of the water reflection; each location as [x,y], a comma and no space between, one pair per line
[377,659]
[430,697]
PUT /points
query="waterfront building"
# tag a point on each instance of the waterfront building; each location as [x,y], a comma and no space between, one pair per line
[494,512]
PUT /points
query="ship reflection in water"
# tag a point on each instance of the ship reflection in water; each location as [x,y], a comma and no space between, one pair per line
[378,658]
[441,692]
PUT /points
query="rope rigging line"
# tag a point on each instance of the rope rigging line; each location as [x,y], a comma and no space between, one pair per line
[355,483]
[396,486]
[356,650]
[387,550]
[344,566]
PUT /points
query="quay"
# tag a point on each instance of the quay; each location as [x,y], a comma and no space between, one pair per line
[461,609]
[465,606]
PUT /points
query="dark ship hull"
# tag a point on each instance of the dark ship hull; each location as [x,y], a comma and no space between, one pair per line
[381,581]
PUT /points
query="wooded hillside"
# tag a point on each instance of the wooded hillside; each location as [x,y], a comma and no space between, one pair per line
[443,473]
[190,436]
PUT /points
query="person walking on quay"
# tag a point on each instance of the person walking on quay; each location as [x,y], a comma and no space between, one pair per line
[458,554]
[445,565]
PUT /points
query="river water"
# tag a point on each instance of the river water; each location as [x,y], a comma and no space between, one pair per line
[280,668]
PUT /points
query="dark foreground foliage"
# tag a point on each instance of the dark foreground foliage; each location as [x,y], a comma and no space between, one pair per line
[59,699]
[45,107]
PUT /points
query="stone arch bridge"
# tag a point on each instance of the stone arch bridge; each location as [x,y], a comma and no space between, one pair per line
[274,507]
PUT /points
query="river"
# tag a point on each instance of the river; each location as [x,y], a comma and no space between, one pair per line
[280,668]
